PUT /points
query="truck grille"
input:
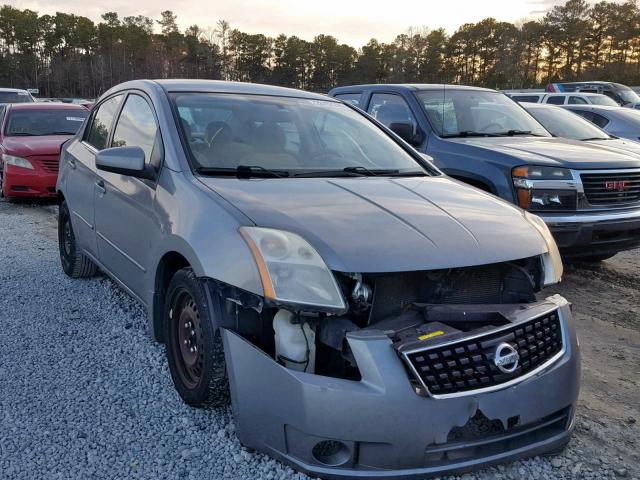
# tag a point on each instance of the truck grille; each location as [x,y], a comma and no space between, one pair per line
[617,188]
[468,364]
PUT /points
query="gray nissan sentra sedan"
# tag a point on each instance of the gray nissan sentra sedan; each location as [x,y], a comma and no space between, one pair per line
[366,315]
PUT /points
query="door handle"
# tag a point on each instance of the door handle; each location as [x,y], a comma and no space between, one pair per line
[101,188]
[72,163]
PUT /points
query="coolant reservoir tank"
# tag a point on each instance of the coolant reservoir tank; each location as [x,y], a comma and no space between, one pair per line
[295,342]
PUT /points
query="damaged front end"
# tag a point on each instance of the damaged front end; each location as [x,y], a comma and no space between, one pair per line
[420,373]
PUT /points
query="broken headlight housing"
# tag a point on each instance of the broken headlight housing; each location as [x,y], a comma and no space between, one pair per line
[291,270]
[545,189]
[551,260]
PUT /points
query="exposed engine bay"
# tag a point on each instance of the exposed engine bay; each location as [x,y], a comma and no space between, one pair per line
[409,307]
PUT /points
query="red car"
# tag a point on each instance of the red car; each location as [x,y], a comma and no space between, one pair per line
[31,135]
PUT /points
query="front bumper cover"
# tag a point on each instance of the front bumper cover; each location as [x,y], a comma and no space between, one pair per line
[384,428]
[585,233]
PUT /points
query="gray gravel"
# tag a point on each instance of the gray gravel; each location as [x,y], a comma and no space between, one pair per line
[85,393]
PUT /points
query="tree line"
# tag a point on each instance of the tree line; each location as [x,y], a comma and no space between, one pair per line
[70,55]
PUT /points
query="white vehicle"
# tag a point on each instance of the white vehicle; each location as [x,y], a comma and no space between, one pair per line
[570,98]
[15,95]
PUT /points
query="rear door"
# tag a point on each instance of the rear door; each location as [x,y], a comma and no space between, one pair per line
[126,225]
[80,174]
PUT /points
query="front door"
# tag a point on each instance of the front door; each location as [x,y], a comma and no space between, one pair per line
[125,221]
[81,176]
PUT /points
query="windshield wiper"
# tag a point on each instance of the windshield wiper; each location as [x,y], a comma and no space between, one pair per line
[60,133]
[469,133]
[243,171]
[361,172]
[596,138]
[22,134]
[370,171]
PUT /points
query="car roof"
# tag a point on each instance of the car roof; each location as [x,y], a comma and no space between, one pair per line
[408,86]
[45,106]
[584,94]
[604,108]
[13,90]
[218,86]
[539,106]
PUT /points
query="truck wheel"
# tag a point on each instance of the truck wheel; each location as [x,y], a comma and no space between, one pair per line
[194,346]
[74,263]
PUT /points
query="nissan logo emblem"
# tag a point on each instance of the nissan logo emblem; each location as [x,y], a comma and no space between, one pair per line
[506,358]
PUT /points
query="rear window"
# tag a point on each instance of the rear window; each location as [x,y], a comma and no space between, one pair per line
[526,98]
[15,97]
[44,122]
[352,98]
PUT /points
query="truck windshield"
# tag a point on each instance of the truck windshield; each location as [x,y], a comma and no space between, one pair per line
[562,123]
[463,113]
[628,95]
[285,137]
[44,122]
[15,97]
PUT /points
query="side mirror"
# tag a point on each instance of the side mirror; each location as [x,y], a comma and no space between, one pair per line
[125,161]
[405,131]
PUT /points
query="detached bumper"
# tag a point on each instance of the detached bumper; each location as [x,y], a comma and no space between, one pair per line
[24,182]
[380,427]
[595,233]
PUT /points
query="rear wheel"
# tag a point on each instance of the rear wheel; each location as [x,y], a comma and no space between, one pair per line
[193,344]
[74,263]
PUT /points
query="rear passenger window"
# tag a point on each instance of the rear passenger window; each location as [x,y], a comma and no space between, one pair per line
[136,126]
[389,108]
[599,120]
[573,100]
[101,123]
[559,100]
[352,98]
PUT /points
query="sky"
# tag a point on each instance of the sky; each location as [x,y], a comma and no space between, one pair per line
[351,21]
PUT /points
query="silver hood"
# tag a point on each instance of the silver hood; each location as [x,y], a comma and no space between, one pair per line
[370,224]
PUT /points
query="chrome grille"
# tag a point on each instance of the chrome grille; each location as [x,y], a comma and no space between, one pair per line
[468,364]
[612,188]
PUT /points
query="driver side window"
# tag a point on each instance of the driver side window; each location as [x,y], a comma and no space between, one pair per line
[389,108]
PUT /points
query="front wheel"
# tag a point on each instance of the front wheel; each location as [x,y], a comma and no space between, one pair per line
[74,263]
[194,346]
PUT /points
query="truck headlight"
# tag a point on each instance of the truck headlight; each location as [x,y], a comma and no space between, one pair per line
[551,260]
[544,189]
[291,270]
[17,161]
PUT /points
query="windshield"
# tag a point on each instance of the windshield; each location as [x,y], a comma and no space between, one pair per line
[290,135]
[461,113]
[628,95]
[602,100]
[15,97]
[562,123]
[44,122]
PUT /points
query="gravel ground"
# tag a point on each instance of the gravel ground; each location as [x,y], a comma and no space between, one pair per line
[85,393]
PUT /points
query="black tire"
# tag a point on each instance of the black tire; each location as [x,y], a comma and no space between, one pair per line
[595,258]
[74,263]
[193,345]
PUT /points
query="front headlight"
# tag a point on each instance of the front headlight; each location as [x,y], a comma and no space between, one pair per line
[17,161]
[544,189]
[291,270]
[551,260]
